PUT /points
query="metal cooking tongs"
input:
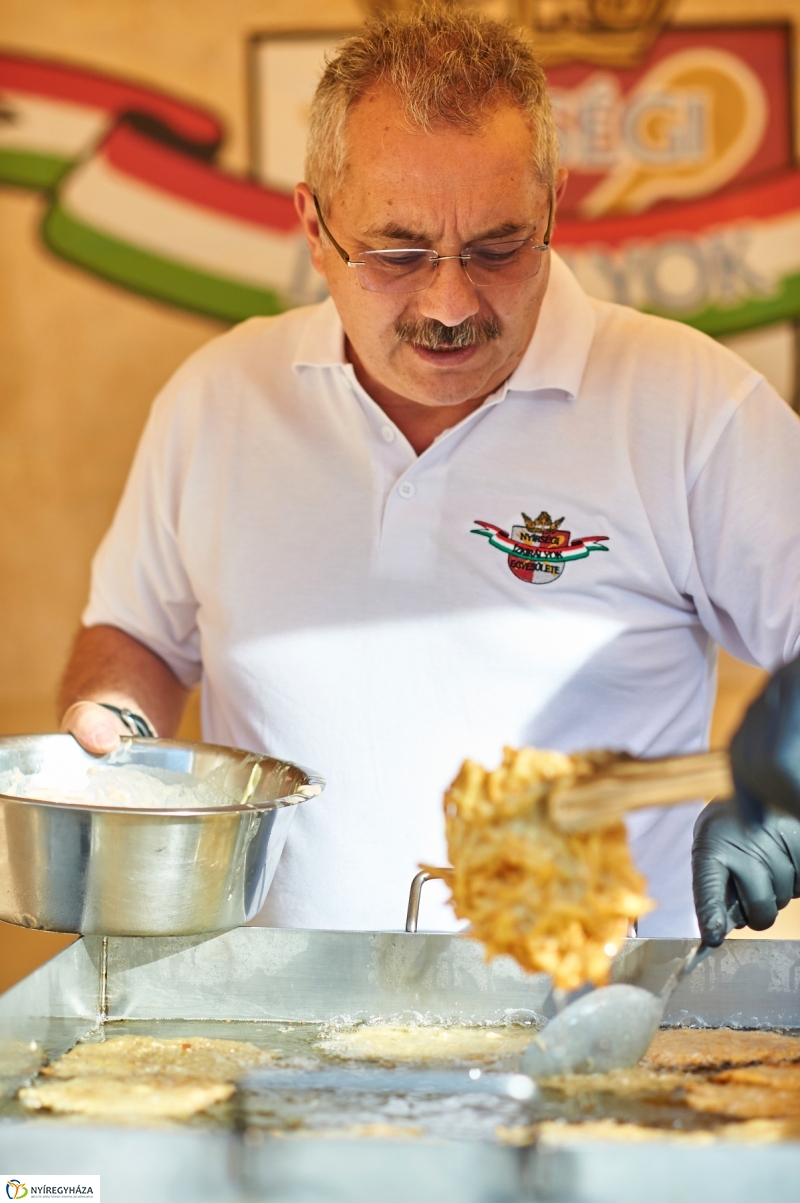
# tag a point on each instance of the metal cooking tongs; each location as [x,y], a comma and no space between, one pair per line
[632,784]
[608,795]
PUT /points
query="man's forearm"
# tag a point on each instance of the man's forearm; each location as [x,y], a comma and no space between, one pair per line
[107,665]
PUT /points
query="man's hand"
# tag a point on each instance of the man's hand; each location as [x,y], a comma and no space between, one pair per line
[765,752]
[762,862]
[96,729]
[107,665]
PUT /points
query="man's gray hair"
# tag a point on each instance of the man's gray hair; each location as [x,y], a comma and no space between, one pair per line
[448,66]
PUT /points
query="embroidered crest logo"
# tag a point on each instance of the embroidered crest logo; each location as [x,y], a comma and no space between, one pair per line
[539,551]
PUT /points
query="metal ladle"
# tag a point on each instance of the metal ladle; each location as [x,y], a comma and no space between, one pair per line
[604,1029]
[612,1027]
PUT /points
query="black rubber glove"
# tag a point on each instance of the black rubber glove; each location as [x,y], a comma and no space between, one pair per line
[765,752]
[731,857]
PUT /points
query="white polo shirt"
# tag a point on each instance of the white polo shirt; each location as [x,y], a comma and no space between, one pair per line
[379,615]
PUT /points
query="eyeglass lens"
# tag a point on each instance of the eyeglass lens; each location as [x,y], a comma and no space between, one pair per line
[412,270]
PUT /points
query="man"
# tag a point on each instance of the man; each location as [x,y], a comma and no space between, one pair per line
[457,505]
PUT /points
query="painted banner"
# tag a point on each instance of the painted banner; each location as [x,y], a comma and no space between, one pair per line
[135,194]
[683,197]
[683,200]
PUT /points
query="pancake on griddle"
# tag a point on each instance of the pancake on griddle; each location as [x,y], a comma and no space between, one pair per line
[715,1048]
[148,1056]
[756,1131]
[780,1077]
[755,1091]
[144,1077]
[398,1043]
[106,1097]
[638,1082]
[744,1102]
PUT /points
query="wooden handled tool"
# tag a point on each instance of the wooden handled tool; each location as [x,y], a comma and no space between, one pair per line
[630,784]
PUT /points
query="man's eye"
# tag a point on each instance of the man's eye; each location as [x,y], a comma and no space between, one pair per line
[396,260]
[495,253]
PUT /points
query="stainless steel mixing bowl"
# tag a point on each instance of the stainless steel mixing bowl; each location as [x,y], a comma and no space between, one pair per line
[149,872]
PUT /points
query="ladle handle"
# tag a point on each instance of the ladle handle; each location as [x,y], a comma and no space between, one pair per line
[701,950]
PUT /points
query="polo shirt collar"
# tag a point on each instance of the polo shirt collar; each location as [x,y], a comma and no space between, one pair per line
[554,361]
[556,356]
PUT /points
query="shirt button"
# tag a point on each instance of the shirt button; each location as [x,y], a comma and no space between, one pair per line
[388,434]
[406,489]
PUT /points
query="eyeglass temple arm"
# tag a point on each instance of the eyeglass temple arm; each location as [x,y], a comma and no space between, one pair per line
[331,238]
[551,220]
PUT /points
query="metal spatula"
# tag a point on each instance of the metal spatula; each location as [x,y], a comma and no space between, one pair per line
[611,1027]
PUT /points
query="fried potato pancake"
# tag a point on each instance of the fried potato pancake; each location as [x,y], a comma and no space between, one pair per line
[757,1091]
[638,1082]
[176,1058]
[757,1131]
[675,1063]
[106,1097]
[559,904]
[781,1077]
[711,1048]
[395,1043]
[744,1102]
[138,1077]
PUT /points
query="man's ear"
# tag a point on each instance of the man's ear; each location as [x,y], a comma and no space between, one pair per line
[306,211]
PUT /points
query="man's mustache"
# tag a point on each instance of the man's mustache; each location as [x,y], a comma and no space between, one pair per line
[432,335]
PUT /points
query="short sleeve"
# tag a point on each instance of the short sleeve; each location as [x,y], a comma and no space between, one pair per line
[139,581]
[744,510]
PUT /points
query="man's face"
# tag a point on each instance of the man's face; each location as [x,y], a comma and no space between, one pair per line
[444,190]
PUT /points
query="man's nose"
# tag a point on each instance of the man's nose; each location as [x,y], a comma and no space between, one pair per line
[451,297]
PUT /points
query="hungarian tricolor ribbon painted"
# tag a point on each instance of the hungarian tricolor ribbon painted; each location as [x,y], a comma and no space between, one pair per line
[724,263]
[136,195]
[578,549]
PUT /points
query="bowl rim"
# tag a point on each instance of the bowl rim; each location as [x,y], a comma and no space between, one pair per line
[311,788]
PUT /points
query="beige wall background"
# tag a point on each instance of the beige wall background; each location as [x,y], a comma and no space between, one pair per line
[80,360]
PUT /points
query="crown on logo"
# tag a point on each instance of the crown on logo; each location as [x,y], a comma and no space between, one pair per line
[612,32]
[543,523]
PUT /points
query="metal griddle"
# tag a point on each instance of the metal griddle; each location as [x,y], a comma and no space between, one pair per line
[250,983]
